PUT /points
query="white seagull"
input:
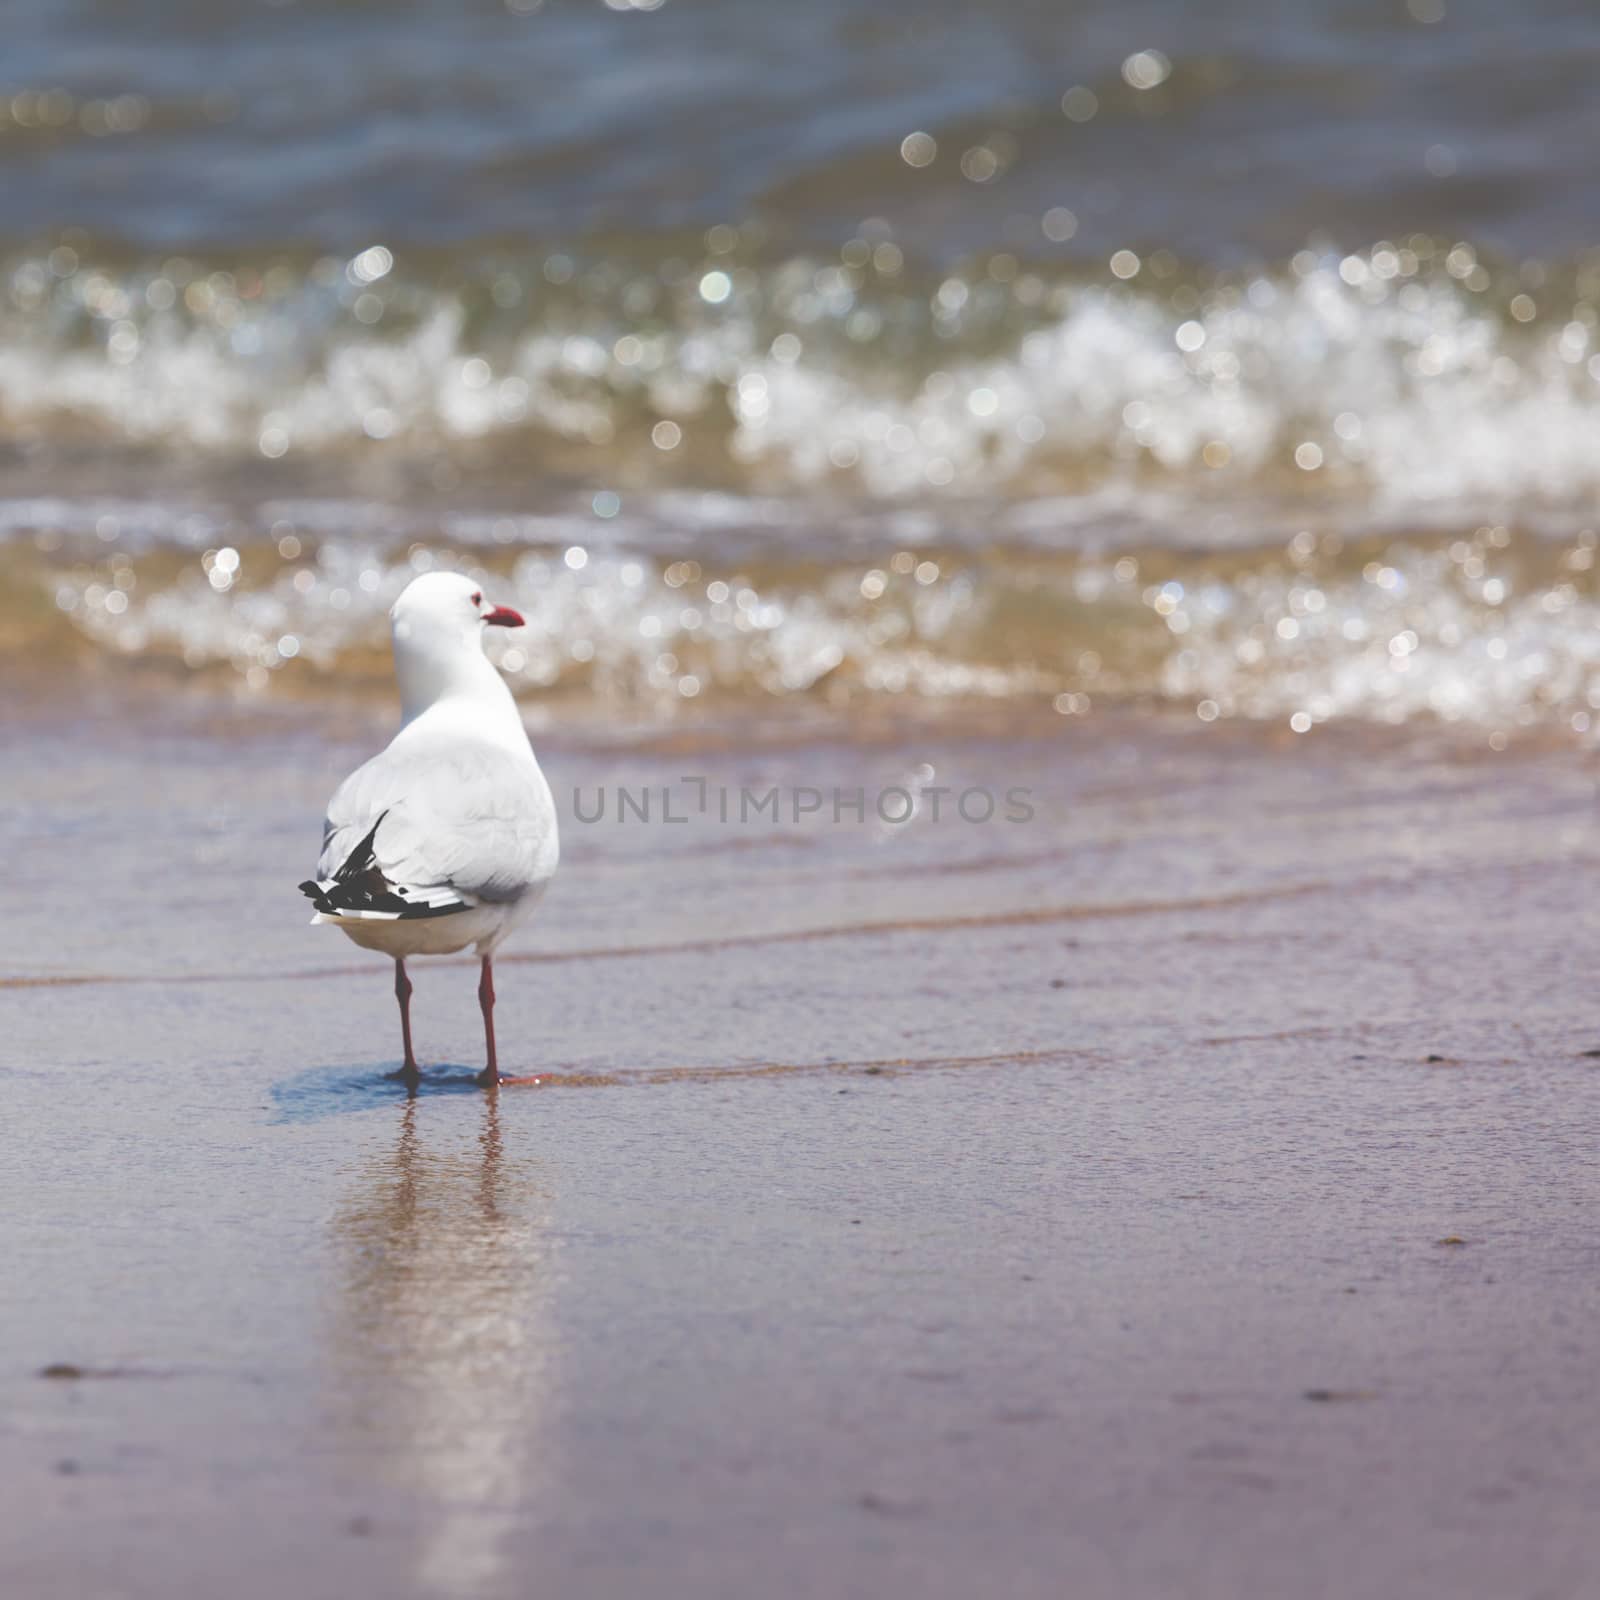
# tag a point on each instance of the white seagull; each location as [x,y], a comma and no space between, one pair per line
[448,838]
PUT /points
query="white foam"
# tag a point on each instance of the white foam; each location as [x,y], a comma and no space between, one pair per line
[1409,390]
[1471,632]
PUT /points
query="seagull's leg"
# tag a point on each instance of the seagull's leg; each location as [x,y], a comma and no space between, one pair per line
[491,1073]
[402,993]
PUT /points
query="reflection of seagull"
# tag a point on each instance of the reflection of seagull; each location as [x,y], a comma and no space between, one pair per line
[448,837]
[441,1341]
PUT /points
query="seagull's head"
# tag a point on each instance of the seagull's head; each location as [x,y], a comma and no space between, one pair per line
[438,624]
[442,609]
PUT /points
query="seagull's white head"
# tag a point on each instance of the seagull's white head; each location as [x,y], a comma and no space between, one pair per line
[437,625]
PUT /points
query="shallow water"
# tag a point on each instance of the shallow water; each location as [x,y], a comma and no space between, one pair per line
[1494,632]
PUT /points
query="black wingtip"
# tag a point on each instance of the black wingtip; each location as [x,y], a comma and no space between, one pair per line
[313,891]
[360,888]
[360,861]
[363,856]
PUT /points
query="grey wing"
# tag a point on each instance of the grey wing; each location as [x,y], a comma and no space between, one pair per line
[468,818]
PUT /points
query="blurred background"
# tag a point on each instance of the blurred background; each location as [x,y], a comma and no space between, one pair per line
[1234,360]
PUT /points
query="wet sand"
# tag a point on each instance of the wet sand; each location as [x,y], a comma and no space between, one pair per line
[1186,1193]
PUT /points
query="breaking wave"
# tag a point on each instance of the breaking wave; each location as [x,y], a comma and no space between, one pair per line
[1412,378]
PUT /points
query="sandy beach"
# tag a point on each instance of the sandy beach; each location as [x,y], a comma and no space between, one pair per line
[1181,1194]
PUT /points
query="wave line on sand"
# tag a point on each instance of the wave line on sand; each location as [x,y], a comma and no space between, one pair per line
[1031,917]
[888,1067]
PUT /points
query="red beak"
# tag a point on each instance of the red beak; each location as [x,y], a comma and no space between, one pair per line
[504,617]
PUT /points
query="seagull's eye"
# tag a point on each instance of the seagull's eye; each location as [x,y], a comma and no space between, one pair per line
[477,598]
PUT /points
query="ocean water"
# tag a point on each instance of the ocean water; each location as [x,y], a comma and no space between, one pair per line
[1241,360]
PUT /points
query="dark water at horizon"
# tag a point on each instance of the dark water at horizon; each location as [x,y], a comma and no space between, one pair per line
[1250,126]
[1242,356]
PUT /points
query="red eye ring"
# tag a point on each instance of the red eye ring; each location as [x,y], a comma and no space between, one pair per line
[477,598]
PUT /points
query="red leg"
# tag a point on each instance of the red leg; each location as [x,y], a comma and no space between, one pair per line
[402,993]
[491,1072]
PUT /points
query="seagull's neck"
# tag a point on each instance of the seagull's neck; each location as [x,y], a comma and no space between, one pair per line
[460,696]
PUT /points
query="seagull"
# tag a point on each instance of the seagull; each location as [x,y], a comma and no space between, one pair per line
[448,837]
